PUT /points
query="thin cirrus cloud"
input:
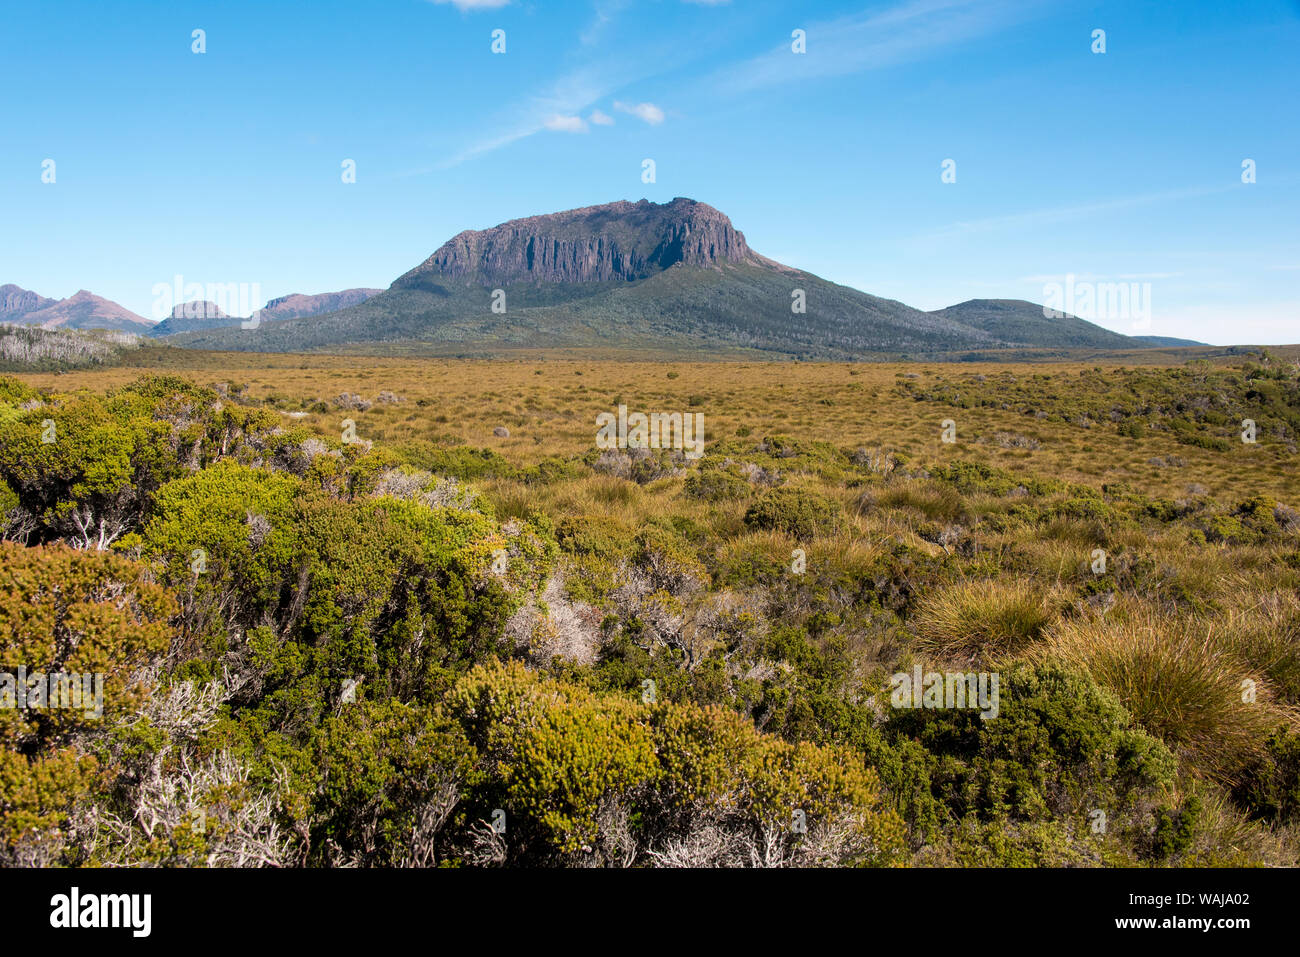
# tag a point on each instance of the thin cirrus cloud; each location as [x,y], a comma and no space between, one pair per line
[604,13]
[464,5]
[875,39]
[565,124]
[1098,277]
[1059,214]
[645,111]
[570,93]
[574,92]
[846,45]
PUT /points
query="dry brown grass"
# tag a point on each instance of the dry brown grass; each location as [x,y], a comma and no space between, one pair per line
[849,405]
[1200,685]
[984,620]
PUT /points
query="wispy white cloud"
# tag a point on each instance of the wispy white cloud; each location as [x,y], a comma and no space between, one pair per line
[464,5]
[1097,277]
[565,124]
[600,118]
[482,147]
[570,95]
[874,39]
[645,111]
[604,14]
[1048,216]
[567,96]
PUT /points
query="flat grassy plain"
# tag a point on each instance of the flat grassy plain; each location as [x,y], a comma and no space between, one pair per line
[1098,532]
[550,406]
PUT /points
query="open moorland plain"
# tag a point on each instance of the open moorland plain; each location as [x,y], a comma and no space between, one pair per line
[386,611]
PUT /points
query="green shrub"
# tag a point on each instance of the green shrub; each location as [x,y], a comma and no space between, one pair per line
[15,391]
[1059,747]
[561,761]
[381,590]
[555,751]
[798,512]
[390,777]
[460,461]
[1204,442]
[1271,789]
[79,613]
[717,485]
[1176,828]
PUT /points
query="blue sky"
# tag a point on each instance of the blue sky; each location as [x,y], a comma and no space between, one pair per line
[225,167]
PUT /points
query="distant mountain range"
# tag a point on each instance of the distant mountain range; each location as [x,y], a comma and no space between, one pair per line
[1019,323]
[207,316]
[644,277]
[85,310]
[640,277]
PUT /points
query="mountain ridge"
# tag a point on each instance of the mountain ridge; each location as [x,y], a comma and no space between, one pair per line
[81,310]
[620,241]
[649,277]
[641,275]
[293,306]
[16,302]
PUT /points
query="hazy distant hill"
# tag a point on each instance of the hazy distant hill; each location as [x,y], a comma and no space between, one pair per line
[193,316]
[84,310]
[206,316]
[298,306]
[1161,341]
[1020,323]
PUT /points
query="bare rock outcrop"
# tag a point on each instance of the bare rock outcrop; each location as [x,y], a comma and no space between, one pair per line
[615,242]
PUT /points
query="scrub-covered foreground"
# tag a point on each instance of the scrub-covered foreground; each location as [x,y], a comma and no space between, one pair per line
[317,650]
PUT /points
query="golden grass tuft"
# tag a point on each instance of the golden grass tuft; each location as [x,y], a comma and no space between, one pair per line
[985,620]
[1183,680]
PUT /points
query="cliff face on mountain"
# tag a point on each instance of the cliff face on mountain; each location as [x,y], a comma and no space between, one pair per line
[198,309]
[16,301]
[297,305]
[637,278]
[611,243]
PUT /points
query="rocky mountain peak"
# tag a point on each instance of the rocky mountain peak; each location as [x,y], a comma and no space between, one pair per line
[198,309]
[16,301]
[620,241]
